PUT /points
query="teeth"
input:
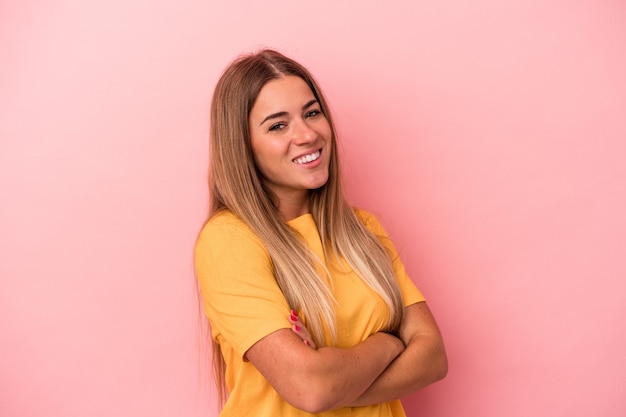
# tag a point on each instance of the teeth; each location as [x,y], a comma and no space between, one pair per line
[307,158]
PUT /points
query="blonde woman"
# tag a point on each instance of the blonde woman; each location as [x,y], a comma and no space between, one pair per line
[310,308]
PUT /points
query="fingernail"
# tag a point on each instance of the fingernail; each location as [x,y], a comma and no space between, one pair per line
[297,329]
[293,318]
[306,342]
[294,313]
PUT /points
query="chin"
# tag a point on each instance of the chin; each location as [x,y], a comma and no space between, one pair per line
[318,185]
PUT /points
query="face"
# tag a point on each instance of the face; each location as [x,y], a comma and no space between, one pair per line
[291,139]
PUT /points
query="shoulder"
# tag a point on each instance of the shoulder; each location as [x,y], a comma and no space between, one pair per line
[225,221]
[370,221]
[363,215]
[225,218]
[225,229]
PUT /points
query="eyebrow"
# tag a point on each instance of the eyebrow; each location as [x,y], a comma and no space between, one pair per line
[284,113]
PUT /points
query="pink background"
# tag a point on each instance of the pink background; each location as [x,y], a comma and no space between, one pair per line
[489,136]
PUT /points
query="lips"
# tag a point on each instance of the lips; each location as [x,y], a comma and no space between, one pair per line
[305,159]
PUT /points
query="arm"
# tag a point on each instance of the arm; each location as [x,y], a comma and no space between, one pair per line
[322,379]
[422,362]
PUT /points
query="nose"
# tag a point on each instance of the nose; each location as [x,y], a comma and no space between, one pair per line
[303,134]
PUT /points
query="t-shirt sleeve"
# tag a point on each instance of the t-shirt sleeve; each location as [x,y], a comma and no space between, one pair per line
[410,293]
[241,297]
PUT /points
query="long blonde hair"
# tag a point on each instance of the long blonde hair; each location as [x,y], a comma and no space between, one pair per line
[236,184]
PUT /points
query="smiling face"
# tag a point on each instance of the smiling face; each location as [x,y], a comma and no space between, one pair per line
[291,142]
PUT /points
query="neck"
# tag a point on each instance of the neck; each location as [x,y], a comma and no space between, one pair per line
[290,208]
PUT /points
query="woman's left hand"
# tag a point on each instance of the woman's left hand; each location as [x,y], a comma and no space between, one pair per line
[299,329]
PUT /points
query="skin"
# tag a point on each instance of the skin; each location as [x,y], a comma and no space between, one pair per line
[421,363]
[286,123]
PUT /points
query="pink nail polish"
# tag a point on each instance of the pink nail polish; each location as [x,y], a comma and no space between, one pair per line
[296,328]
[293,318]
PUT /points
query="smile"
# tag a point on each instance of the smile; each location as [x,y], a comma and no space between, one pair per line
[307,158]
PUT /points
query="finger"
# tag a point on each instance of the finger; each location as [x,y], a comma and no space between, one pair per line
[297,326]
[293,318]
[304,334]
[300,329]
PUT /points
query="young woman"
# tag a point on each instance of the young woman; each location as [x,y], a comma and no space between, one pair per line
[310,308]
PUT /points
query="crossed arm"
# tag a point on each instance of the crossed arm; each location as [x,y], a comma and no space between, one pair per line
[381,368]
[422,362]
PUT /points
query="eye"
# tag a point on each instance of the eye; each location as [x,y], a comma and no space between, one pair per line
[312,113]
[277,127]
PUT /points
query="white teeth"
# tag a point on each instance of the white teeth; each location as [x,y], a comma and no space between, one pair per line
[307,158]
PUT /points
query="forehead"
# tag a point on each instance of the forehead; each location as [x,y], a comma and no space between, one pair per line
[286,91]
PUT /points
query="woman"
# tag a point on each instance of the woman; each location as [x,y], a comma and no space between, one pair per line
[310,309]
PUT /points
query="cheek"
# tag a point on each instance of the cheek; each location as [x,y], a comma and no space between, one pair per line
[328,134]
[265,153]
[259,159]
[267,158]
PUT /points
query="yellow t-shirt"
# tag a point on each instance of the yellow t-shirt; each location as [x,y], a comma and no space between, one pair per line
[244,304]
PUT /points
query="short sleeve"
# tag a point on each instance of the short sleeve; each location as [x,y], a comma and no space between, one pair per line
[410,293]
[241,297]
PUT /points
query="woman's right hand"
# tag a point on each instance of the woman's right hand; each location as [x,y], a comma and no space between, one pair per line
[300,329]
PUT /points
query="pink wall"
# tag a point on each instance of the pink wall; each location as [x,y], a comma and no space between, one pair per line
[489,136]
